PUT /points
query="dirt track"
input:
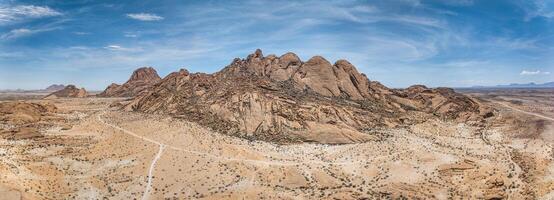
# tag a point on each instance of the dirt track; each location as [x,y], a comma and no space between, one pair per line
[124,155]
[525,112]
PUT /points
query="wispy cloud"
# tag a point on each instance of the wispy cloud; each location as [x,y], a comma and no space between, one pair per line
[144,16]
[458,2]
[16,33]
[10,14]
[130,35]
[114,47]
[539,8]
[400,42]
[22,32]
[466,63]
[537,72]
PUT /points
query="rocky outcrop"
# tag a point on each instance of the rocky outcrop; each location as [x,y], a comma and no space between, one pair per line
[317,74]
[20,120]
[69,91]
[283,99]
[140,80]
[444,102]
[14,112]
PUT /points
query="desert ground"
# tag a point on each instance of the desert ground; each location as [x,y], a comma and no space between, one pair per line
[537,101]
[93,150]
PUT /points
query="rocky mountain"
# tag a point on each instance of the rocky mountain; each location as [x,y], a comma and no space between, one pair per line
[69,91]
[521,85]
[49,89]
[283,99]
[54,87]
[140,80]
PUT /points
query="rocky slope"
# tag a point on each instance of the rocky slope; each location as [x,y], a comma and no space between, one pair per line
[21,120]
[283,99]
[140,80]
[69,91]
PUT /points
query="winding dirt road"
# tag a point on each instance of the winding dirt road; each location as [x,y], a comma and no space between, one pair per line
[146,193]
[163,146]
[525,112]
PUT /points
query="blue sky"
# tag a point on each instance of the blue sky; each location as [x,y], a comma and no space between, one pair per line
[454,43]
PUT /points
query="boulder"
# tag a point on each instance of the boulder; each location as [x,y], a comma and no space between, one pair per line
[317,75]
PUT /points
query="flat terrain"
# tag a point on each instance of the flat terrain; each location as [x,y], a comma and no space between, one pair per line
[539,101]
[100,152]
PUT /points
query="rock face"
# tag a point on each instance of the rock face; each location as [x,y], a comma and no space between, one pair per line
[140,80]
[70,91]
[283,99]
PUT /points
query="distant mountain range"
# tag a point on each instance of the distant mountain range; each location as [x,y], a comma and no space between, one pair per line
[51,88]
[520,85]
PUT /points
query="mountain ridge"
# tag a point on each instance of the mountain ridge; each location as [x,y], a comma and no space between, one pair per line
[283,99]
[521,85]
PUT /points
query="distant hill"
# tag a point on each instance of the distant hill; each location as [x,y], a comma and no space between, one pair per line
[520,85]
[54,87]
[70,91]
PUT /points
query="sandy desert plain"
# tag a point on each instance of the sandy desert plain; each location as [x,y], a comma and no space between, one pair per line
[90,150]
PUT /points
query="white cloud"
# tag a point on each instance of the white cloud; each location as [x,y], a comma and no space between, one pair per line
[15,33]
[22,32]
[144,16]
[15,13]
[114,47]
[537,72]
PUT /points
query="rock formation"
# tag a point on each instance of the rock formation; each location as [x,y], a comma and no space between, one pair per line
[283,99]
[22,112]
[23,119]
[442,101]
[140,80]
[69,91]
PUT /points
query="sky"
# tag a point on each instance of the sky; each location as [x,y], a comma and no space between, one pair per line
[453,43]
